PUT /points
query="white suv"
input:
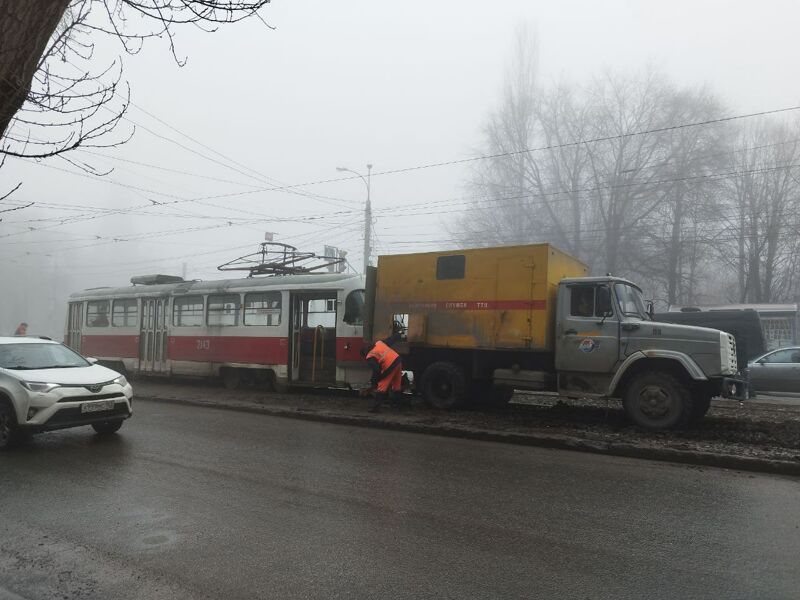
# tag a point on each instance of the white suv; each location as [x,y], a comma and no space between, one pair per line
[44,385]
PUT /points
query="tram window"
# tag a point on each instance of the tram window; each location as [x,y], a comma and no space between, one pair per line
[97,313]
[262,308]
[354,308]
[321,312]
[125,313]
[223,309]
[187,311]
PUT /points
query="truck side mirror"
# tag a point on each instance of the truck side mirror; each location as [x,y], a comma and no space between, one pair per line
[650,310]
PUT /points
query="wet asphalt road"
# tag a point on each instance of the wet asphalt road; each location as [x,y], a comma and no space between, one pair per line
[199,503]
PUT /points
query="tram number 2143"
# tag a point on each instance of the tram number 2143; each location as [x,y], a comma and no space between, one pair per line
[204,344]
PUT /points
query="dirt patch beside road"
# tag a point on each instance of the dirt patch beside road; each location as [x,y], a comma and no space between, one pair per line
[753,436]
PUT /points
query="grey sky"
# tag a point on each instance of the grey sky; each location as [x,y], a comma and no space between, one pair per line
[349,83]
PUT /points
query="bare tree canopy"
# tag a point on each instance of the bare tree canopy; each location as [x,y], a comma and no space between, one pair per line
[52,98]
[662,207]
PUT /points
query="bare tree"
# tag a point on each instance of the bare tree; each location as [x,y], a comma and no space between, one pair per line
[681,229]
[571,165]
[523,196]
[52,99]
[765,200]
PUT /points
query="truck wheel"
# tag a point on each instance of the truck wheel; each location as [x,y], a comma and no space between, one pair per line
[444,385]
[656,400]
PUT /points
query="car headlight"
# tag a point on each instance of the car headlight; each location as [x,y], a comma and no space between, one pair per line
[121,381]
[35,386]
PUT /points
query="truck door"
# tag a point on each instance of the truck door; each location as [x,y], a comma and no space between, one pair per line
[587,329]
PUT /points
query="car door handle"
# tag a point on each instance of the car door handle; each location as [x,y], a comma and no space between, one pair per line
[570,332]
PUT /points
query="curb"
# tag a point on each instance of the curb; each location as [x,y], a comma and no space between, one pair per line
[539,440]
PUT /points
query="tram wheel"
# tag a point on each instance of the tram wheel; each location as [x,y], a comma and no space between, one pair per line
[231,379]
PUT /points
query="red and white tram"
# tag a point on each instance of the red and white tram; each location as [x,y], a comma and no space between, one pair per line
[298,329]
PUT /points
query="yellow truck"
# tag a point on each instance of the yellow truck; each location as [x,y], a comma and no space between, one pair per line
[479,323]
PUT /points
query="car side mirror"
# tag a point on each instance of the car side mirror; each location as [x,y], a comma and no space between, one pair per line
[91,360]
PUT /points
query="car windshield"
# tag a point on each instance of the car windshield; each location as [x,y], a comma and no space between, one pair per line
[39,356]
[630,301]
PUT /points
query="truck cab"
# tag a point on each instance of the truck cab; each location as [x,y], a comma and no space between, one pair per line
[606,344]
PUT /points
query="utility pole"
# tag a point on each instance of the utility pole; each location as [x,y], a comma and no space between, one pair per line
[367,213]
[368,223]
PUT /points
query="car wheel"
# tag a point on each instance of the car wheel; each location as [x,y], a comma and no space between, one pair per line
[107,427]
[656,400]
[8,424]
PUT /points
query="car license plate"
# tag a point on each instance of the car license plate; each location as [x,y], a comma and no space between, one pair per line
[99,406]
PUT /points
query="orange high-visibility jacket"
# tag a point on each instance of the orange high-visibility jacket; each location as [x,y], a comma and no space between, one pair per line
[382,356]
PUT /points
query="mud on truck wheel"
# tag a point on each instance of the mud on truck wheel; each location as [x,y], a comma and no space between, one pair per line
[444,385]
[658,400]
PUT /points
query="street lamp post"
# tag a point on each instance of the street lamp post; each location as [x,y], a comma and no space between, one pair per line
[367,213]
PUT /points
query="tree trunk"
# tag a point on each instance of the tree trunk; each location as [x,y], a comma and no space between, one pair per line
[673,259]
[25,30]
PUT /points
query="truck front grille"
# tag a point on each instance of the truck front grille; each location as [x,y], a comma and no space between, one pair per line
[732,353]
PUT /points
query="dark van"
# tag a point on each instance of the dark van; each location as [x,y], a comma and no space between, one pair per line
[744,325]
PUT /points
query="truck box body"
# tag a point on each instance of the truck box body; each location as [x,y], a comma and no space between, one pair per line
[482,298]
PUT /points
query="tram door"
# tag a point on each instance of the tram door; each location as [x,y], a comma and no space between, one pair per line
[74,325]
[153,335]
[313,341]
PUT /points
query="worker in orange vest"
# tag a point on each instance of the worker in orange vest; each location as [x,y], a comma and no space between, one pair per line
[387,369]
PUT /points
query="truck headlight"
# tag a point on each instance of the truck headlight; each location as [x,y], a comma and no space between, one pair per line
[121,381]
[36,386]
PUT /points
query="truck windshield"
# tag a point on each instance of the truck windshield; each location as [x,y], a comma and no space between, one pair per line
[630,301]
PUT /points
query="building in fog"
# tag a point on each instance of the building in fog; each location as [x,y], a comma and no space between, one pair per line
[779,321]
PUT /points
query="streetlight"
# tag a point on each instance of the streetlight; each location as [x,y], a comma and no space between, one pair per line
[367,212]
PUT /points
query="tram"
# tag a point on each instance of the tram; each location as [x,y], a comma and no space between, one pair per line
[294,328]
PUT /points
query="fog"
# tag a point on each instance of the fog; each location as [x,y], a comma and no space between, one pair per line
[395,86]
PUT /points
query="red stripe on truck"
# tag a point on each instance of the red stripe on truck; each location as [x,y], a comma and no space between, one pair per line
[480,305]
